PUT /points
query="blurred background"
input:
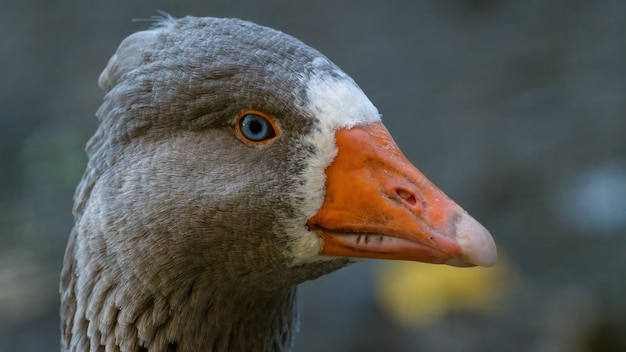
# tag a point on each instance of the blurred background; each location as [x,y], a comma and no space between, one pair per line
[516,109]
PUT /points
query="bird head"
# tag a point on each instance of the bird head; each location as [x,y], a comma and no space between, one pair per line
[224,144]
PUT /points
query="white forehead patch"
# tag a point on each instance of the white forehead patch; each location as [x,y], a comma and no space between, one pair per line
[335,102]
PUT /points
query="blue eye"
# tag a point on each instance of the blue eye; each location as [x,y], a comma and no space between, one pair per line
[256,128]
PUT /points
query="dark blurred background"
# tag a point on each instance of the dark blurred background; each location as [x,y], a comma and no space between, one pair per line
[517,109]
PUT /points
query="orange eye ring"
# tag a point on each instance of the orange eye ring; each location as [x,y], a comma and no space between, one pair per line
[256,128]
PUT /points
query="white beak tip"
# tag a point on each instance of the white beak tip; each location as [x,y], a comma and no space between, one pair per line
[477,244]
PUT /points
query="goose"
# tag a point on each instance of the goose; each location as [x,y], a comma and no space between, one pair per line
[231,163]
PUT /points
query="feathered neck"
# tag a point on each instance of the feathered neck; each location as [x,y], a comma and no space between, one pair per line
[99,313]
[110,303]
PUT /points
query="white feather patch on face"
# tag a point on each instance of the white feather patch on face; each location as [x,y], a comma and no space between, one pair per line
[336,102]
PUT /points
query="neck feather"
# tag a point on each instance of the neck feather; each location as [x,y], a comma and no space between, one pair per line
[105,310]
[100,312]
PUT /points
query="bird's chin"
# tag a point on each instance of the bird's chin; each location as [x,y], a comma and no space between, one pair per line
[324,265]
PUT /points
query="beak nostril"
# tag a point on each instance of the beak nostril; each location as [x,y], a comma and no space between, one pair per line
[407,196]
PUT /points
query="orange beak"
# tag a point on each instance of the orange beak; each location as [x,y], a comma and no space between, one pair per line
[378,205]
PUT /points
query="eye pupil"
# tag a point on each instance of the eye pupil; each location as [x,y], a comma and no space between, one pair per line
[256,128]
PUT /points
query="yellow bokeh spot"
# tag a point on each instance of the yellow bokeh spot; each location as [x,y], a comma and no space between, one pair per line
[416,294]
